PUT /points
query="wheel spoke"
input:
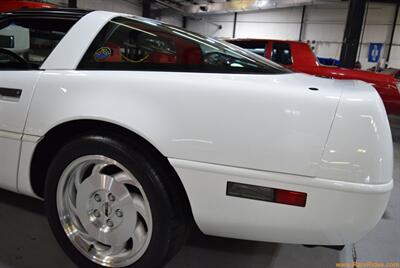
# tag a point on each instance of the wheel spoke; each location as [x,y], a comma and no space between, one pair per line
[72,207]
[96,171]
[77,179]
[115,249]
[75,220]
[139,204]
[139,237]
[85,241]
[124,178]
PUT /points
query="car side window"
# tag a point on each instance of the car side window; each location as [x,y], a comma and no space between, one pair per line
[25,44]
[147,45]
[281,53]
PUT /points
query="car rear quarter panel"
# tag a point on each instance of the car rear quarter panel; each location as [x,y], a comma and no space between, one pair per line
[264,122]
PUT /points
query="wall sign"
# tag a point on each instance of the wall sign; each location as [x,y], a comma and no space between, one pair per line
[374,52]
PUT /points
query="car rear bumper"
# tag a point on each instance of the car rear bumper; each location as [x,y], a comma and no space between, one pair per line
[336,212]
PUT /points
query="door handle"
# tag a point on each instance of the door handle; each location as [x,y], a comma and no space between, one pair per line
[10,92]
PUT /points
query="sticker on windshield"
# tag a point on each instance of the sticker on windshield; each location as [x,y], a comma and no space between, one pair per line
[102,54]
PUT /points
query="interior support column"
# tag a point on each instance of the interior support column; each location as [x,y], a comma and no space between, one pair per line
[146,8]
[302,23]
[351,39]
[72,3]
[393,32]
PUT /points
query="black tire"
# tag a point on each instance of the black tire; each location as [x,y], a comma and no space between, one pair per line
[170,220]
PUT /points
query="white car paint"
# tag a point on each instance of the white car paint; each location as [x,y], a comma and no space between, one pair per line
[362,152]
[336,213]
[268,130]
[276,141]
[13,114]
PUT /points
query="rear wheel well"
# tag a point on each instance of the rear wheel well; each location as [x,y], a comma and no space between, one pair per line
[53,141]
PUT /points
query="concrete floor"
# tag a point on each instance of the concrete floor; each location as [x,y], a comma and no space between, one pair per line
[26,240]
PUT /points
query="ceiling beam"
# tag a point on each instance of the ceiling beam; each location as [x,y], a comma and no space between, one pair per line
[243,5]
[177,7]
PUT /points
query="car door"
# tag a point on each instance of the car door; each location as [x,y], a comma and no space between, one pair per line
[16,90]
[17,81]
[25,43]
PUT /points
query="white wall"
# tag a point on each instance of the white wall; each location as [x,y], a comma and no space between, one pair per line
[125,6]
[279,23]
[323,23]
[170,17]
[209,25]
[378,29]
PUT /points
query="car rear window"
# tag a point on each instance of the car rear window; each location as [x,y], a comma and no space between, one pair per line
[281,53]
[257,47]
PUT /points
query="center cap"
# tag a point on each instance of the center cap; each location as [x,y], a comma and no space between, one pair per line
[110,226]
[107,209]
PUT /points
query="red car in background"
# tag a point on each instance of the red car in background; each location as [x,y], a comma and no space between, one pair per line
[12,5]
[299,57]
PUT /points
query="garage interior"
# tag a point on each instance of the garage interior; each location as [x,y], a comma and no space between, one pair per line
[334,29]
[321,23]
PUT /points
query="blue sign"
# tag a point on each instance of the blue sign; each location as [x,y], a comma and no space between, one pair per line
[374,52]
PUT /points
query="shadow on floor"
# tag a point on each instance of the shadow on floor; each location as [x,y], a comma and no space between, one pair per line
[206,251]
[27,242]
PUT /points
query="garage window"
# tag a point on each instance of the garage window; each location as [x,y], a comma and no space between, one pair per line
[142,44]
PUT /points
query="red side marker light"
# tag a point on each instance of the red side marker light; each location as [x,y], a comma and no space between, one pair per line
[290,197]
[267,194]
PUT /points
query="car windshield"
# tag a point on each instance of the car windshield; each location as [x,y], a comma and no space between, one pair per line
[134,43]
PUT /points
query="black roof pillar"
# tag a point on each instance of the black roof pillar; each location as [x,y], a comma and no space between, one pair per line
[351,38]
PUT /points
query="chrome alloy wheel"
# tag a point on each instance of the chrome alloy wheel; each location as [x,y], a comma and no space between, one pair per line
[104,211]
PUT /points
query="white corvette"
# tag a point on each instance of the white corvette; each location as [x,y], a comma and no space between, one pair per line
[131,130]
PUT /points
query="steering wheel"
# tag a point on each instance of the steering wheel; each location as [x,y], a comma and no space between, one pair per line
[19,59]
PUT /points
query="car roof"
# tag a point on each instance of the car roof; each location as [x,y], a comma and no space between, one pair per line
[47,12]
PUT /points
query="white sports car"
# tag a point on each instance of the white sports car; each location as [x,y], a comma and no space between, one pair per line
[131,130]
